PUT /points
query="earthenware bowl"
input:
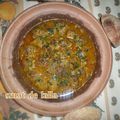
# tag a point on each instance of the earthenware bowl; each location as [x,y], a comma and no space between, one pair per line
[17,29]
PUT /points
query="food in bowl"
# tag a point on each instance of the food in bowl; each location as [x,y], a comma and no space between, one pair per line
[14,81]
[57,55]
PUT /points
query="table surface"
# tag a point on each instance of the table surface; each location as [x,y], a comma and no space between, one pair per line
[108,101]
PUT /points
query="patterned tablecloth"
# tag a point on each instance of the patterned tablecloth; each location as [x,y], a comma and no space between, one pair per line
[108,101]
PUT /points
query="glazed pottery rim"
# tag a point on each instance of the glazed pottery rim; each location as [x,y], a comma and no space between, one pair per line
[45,111]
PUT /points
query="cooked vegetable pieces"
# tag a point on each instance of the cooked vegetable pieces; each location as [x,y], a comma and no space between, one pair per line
[57,55]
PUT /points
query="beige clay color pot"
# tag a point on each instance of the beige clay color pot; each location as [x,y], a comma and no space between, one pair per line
[12,84]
